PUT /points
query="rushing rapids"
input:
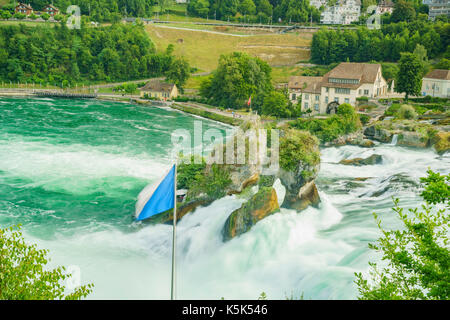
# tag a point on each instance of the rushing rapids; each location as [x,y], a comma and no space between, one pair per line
[70,171]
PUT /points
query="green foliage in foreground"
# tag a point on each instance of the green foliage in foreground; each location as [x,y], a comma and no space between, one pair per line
[24,274]
[417,257]
[345,121]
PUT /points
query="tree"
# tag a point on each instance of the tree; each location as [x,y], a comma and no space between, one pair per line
[130,88]
[238,77]
[179,72]
[164,5]
[45,16]
[409,77]
[6,14]
[417,256]
[403,11]
[198,7]
[24,274]
[276,104]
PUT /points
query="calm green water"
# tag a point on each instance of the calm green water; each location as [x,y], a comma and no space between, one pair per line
[71,170]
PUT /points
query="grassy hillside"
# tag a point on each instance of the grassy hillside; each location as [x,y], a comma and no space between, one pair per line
[203,49]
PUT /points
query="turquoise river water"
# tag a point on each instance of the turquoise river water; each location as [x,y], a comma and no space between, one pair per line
[71,170]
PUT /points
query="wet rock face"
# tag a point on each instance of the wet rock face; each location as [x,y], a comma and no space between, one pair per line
[261,205]
[373,159]
[442,142]
[378,134]
[355,139]
[298,189]
[412,139]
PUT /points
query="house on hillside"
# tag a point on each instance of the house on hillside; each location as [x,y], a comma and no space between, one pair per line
[51,10]
[159,90]
[385,6]
[436,83]
[343,84]
[23,8]
[344,12]
[318,3]
[437,8]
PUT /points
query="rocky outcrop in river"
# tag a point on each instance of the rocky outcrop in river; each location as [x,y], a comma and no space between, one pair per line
[299,161]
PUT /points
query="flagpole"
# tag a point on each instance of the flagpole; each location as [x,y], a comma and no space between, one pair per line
[172,291]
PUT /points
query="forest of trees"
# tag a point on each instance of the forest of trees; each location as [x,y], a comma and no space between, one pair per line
[255,10]
[55,54]
[385,44]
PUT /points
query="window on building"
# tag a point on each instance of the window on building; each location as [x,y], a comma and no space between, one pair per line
[306,96]
[347,100]
[317,97]
[366,92]
[326,99]
[316,106]
[327,89]
[336,99]
[342,90]
[348,81]
[306,105]
[294,96]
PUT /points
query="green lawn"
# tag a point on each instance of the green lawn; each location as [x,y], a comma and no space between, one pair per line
[203,49]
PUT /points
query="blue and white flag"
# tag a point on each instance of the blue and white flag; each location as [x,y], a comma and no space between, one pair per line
[157,197]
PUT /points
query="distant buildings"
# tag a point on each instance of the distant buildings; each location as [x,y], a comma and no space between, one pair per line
[51,10]
[343,84]
[159,90]
[436,84]
[385,6]
[344,12]
[318,3]
[27,10]
[23,8]
[437,8]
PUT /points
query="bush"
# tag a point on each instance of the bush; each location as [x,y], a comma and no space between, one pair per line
[406,111]
[364,118]
[362,99]
[190,174]
[392,110]
[24,273]
[345,121]
[416,258]
[19,16]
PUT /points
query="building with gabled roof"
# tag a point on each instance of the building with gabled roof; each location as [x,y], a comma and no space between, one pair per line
[23,8]
[436,83]
[51,10]
[343,84]
[159,90]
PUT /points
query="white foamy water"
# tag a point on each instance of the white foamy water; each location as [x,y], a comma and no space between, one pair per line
[72,178]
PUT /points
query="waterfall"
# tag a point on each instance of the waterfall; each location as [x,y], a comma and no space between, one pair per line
[394,140]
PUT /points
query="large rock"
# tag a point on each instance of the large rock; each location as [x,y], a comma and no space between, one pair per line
[373,159]
[261,205]
[308,195]
[355,139]
[379,134]
[412,139]
[441,142]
